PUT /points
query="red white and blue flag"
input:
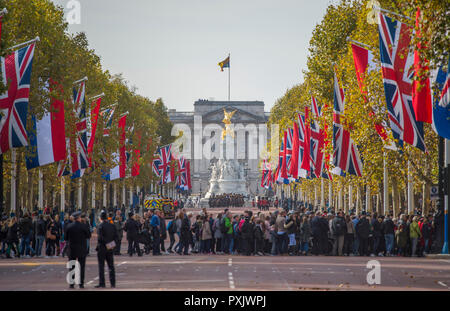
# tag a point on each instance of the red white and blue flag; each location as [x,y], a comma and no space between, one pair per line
[165,166]
[345,153]
[266,178]
[94,122]
[317,141]
[397,67]
[299,144]
[441,107]
[16,73]
[182,178]
[47,137]
[120,158]
[107,115]
[278,173]
[78,144]
[287,156]
[364,63]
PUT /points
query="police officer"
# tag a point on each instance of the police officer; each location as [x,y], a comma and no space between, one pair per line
[107,237]
[76,236]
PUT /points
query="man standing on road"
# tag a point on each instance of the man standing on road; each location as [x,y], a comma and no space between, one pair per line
[388,231]
[107,237]
[155,225]
[76,236]
[339,229]
[132,230]
[362,231]
[119,228]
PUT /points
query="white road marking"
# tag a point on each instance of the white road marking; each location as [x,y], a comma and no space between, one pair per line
[443,284]
[445,260]
[230,262]
[230,280]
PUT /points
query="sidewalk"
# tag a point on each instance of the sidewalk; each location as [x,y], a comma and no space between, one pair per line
[438,256]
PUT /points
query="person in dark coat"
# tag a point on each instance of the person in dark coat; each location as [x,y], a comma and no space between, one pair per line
[132,230]
[76,236]
[247,235]
[25,228]
[185,232]
[163,231]
[362,231]
[107,237]
[12,238]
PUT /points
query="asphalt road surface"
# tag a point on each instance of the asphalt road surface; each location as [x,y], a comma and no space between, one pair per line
[228,273]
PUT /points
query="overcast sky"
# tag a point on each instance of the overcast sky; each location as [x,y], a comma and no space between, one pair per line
[171,48]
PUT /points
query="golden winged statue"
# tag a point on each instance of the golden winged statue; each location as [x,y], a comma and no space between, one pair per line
[227,121]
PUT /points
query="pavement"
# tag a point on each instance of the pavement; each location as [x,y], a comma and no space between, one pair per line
[232,273]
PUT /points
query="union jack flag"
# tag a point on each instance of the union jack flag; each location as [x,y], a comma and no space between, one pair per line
[397,62]
[287,157]
[299,142]
[156,163]
[79,152]
[108,115]
[182,180]
[266,178]
[16,71]
[165,167]
[317,141]
[278,173]
[345,153]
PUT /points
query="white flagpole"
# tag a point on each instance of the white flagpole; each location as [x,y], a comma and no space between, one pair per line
[13,180]
[330,193]
[368,199]
[79,194]
[93,195]
[123,196]
[229,73]
[81,80]
[410,190]
[322,194]
[63,193]
[104,195]
[97,96]
[131,195]
[115,195]
[385,186]
[24,43]
[350,197]
[41,190]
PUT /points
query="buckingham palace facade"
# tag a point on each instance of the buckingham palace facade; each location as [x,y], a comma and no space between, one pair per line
[203,144]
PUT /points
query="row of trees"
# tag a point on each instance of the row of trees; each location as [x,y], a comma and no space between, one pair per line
[329,49]
[66,58]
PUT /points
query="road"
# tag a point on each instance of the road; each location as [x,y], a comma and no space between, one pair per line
[232,273]
[225,273]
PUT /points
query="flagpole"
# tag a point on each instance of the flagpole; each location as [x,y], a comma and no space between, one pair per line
[63,192]
[385,185]
[13,180]
[25,43]
[229,70]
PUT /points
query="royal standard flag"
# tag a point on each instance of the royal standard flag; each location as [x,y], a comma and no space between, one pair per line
[225,63]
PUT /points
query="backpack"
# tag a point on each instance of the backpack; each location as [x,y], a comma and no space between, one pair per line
[172,227]
[340,229]
[222,226]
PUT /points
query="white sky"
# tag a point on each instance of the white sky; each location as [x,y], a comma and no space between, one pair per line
[171,48]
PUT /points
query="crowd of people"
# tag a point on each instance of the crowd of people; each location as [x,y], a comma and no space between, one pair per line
[299,232]
[226,200]
[36,234]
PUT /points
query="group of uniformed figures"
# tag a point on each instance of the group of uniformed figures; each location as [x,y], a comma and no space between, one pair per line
[227,200]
